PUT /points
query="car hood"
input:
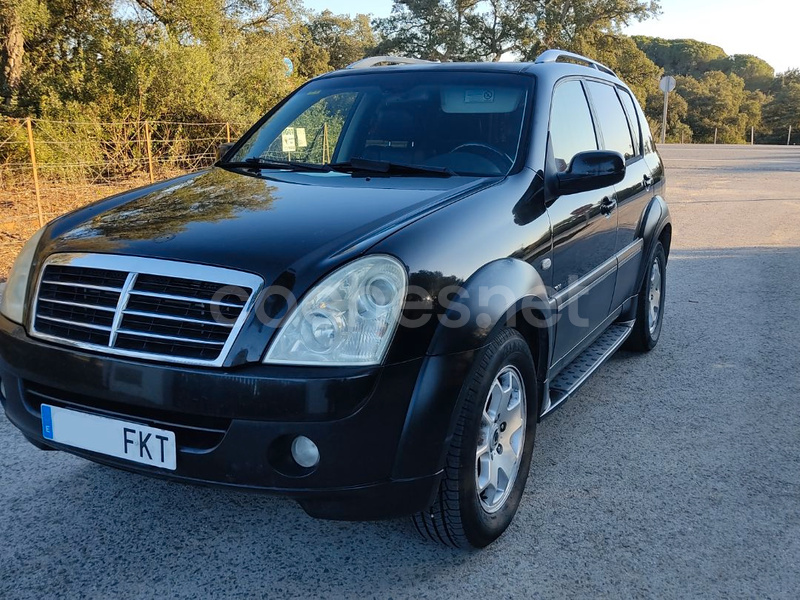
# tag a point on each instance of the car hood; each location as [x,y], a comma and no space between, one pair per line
[266,225]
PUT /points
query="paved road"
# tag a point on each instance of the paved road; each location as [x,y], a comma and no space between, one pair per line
[675,474]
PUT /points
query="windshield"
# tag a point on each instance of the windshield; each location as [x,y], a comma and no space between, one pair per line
[458,122]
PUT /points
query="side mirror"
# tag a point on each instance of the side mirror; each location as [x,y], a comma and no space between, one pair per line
[591,171]
[222,150]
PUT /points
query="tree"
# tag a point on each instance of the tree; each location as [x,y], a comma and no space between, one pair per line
[758,74]
[345,39]
[677,129]
[680,57]
[474,30]
[570,23]
[12,50]
[621,54]
[783,111]
[442,30]
[715,103]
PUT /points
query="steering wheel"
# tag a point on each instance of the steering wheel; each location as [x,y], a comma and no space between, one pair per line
[499,158]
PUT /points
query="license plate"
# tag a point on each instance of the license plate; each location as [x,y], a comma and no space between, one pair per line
[128,441]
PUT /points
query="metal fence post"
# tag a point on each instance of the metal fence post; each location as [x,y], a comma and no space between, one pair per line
[149,151]
[29,126]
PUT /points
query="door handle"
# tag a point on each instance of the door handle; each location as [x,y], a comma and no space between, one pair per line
[648,182]
[607,205]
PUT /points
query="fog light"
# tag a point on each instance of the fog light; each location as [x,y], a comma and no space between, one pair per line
[305,452]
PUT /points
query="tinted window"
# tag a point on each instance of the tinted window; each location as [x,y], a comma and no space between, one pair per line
[613,122]
[470,123]
[571,129]
[633,119]
[312,136]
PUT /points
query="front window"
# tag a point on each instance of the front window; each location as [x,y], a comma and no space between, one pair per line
[461,122]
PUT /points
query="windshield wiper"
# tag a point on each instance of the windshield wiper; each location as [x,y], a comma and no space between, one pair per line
[260,163]
[359,166]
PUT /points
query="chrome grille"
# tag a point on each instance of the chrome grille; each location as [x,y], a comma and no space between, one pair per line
[156,309]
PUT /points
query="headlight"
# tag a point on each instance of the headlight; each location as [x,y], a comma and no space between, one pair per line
[13,302]
[347,319]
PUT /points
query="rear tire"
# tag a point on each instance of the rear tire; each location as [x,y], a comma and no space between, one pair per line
[491,448]
[650,308]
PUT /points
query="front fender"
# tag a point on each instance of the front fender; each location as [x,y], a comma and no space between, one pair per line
[493,296]
[504,292]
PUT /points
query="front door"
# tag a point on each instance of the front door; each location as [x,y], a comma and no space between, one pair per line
[584,227]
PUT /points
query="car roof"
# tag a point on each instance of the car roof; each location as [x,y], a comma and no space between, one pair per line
[550,70]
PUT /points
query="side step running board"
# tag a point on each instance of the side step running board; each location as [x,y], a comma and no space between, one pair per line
[587,362]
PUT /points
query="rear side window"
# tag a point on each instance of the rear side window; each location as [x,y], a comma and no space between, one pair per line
[613,121]
[633,120]
[571,128]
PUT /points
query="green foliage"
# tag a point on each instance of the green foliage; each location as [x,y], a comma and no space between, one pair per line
[680,57]
[758,74]
[623,55]
[731,94]
[677,129]
[716,101]
[455,30]
[345,39]
[783,111]
[222,60]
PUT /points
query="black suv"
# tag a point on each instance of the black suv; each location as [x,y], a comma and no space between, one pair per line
[367,304]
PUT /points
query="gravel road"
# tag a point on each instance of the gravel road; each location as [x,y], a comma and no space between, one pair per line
[672,474]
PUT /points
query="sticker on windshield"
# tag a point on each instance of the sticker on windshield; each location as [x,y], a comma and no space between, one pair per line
[479,96]
[301,137]
[287,140]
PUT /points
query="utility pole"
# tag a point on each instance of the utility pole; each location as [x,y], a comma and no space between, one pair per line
[789,139]
[667,84]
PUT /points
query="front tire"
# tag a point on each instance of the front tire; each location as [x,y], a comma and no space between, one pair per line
[489,458]
[650,309]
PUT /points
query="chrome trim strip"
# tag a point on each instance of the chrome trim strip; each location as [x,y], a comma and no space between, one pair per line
[585,290]
[87,286]
[130,280]
[566,296]
[170,338]
[139,313]
[80,304]
[75,323]
[153,266]
[182,298]
[585,282]
[630,251]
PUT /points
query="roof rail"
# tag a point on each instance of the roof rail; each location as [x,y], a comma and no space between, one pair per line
[549,56]
[373,61]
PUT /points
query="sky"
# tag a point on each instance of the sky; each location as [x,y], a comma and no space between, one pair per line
[767,29]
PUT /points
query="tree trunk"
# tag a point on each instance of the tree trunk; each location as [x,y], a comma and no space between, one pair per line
[11,53]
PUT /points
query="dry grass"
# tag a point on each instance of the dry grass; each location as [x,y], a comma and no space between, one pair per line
[19,217]
[79,163]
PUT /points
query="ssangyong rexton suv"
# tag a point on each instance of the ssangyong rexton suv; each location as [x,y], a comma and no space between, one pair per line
[367,304]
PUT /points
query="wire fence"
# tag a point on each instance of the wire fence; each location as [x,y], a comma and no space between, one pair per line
[48,168]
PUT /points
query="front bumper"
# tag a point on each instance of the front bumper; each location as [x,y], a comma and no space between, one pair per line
[378,458]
